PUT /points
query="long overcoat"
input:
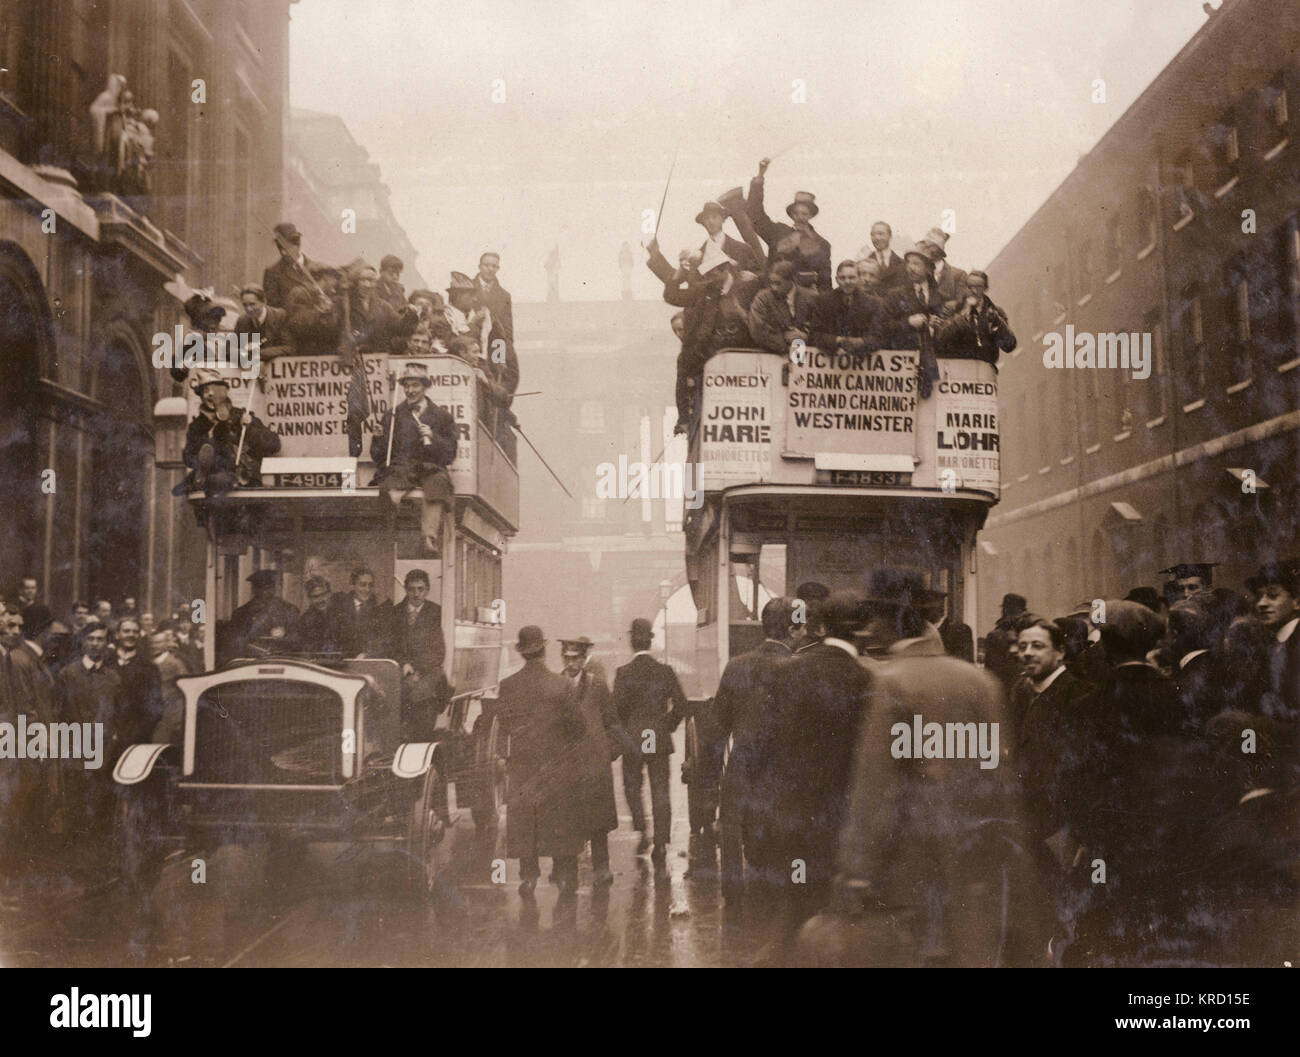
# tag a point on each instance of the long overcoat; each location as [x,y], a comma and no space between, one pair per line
[544,720]
[592,798]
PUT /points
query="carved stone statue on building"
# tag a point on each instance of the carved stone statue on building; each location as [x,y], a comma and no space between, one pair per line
[122,138]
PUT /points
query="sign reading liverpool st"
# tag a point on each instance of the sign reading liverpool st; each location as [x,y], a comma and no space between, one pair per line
[852,402]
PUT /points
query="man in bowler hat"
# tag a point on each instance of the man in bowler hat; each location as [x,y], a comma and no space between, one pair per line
[650,703]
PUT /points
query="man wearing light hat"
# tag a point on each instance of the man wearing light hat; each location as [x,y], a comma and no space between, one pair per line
[424,445]
[547,765]
[799,242]
[212,439]
[949,281]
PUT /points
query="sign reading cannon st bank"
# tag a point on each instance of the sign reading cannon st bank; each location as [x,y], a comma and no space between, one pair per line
[966,426]
[852,403]
[736,426]
[304,400]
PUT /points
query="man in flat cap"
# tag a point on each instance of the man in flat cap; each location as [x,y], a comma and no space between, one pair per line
[537,708]
[390,287]
[292,270]
[265,616]
[650,703]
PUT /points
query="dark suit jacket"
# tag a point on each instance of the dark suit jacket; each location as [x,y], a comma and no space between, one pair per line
[1044,735]
[952,284]
[274,329]
[497,299]
[836,316]
[408,445]
[320,631]
[902,302]
[743,707]
[770,317]
[648,696]
[281,278]
[420,644]
[362,631]
[821,698]
[892,271]
[142,703]
[784,243]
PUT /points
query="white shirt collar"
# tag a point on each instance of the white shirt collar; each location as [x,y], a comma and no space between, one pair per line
[1287,629]
[1184,661]
[642,653]
[125,656]
[88,664]
[776,642]
[847,647]
[1040,687]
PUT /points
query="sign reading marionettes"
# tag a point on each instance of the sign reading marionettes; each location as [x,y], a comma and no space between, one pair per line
[736,428]
[852,403]
[967,426]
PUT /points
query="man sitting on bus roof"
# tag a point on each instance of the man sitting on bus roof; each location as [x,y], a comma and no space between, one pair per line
[847,317]
[780,313]
[212,441]
[978,330]
[423,444]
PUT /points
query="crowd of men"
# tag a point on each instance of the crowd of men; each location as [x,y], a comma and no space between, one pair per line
[107,665]
[1137,805]
[307,308]
[772,289]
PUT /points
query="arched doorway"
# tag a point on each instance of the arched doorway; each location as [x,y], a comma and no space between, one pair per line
[121,450]
[26,330]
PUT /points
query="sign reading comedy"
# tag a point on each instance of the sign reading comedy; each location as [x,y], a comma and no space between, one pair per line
[967,427]
[736,428]
[854,403]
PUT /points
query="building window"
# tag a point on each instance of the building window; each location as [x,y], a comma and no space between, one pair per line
[591,417]
[1114,245]
[1185,175]
[1273,96]
[1148,217]
[1085,268]
[1156,386]
[1193,342]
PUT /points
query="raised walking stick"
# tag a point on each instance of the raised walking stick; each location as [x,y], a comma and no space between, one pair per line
[664,199]
[392,421]
[243,427]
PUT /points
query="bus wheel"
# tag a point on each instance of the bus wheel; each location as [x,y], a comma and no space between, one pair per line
[490,769]
[425,835]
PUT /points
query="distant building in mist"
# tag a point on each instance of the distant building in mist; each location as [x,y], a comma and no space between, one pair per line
[326,171]
[1181,223]
[587,565]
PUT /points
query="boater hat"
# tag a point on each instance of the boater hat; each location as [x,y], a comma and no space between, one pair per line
[806,198]
[416,372]
[937,238]
[207,376]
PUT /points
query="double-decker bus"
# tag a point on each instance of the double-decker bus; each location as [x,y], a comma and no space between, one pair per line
[822,467]
[276,745]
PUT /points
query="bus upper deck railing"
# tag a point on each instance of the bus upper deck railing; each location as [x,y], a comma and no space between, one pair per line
[846,420]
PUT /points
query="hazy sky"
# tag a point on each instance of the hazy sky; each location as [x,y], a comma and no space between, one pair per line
[980,106]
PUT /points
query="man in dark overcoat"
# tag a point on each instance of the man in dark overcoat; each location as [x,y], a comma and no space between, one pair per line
[650,704]
[265,616]
[821,698]
[601,745]
[921,856]
[363,620]
[539,711]
[745,712]
[290,271]
[417,645]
